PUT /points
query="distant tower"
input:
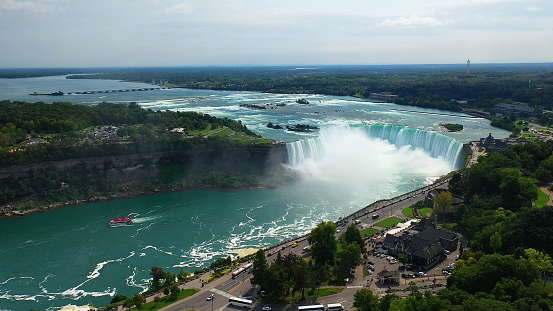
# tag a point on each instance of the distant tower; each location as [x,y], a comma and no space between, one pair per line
[468,68]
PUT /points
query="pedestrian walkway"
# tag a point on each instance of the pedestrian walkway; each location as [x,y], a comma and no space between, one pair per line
[220,292]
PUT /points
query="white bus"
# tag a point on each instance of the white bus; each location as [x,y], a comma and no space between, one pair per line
[334,307]
[311,308]
[240,302]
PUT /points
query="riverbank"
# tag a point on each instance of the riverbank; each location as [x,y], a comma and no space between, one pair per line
[277,178]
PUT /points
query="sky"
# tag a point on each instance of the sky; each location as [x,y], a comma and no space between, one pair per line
[105,33]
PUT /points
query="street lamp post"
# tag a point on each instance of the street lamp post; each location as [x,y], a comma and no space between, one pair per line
[212,303]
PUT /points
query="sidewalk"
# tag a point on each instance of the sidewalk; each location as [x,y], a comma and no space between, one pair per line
[195,284]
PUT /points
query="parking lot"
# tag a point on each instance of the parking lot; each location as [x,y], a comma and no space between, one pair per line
[434,278]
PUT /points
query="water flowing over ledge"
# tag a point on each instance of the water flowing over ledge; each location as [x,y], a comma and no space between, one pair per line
[434,144]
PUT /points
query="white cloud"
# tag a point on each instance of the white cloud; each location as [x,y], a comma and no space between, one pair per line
[413,21]
[532,8]
[178,8]
[36,6]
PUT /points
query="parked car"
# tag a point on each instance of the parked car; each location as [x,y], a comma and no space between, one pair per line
[421,274]
[266,308]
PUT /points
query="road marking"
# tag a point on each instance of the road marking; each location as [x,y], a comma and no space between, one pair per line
[241,283]
[220,292]
[355,286]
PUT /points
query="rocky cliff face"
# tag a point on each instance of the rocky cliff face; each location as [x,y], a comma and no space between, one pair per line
[251,159]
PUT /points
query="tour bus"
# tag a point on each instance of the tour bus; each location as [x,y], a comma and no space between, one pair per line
[312,307]
[334,307]
[240,302]
[237,272]
[242,270]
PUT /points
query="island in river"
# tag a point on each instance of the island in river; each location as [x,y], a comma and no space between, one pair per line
[60,154]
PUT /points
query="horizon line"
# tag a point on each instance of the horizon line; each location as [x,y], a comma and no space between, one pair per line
[302,66]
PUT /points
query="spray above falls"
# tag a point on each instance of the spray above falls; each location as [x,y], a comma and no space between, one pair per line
[377,150]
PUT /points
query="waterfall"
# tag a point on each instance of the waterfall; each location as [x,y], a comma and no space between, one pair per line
[434,144]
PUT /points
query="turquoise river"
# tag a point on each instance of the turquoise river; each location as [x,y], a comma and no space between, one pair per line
[363,152]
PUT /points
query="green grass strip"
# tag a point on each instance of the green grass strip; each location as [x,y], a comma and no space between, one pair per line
[165,301]
[542,199]
[367,233]
[389,222]
[427,211]
[408,211]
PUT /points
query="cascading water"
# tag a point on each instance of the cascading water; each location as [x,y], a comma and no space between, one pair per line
[433,144]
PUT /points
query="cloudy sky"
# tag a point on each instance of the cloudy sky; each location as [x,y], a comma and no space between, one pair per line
[89,33]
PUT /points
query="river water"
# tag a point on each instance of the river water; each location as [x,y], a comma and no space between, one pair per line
[71,255]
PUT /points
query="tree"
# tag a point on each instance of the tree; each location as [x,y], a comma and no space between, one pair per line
[403,258]
[516,190]
[442,203]
[183,275]
[542,261]
[275,280]
[323,243]
[128,303]
[352,234]
[364,300]
[175,290]
[157,275]
[169,279]
[302,276]
[320,274]
[495,241]
[350,256]
[259,267]
[138,301]
[385,302]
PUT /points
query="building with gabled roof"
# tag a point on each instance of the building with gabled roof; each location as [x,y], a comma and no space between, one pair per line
[423,244]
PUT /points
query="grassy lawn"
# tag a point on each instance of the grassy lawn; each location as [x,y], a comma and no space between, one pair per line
[197,132]
[264,141]
[426,211]
[368,232]
[389,222]
[225,132]
[542,199]
[408,211]
[165,301]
